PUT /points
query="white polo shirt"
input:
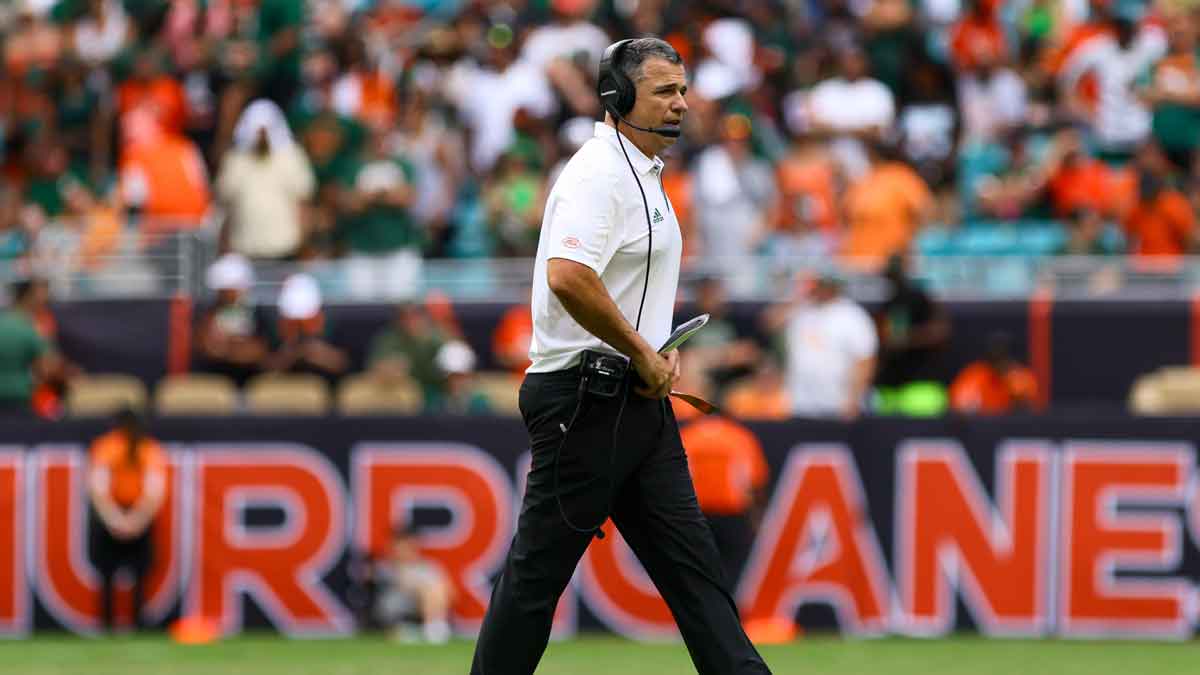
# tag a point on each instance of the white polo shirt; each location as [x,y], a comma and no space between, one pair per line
[594,216]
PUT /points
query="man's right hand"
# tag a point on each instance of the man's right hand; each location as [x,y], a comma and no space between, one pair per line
[658,372]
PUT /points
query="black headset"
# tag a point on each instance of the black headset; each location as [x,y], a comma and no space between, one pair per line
[617,95]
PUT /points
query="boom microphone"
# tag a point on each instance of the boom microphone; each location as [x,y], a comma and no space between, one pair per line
[669,132]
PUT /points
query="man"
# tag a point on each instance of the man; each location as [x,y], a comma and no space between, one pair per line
[25,356]
[913,330]
[302,332]
[231,338]
[996,384]
[379,227]
[264,182]
[127,479]
[412,586]
[609,445]
[830,346]
[729,471]
[408,347]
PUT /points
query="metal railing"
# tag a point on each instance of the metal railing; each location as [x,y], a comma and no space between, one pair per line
[135,265]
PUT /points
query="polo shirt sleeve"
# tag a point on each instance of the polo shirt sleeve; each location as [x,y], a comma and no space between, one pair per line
[584,221]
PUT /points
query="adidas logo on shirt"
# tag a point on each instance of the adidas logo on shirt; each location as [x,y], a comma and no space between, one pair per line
[657,216]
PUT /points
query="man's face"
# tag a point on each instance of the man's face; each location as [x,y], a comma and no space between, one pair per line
[660,98]
[854,65]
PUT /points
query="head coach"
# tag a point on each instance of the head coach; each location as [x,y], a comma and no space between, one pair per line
[605,441]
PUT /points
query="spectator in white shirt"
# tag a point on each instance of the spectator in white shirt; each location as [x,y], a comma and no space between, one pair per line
[853,102]
[734,193]
[993,99]
[1117,60]
[265,179]
[489,96]
[852,107]
[831,346]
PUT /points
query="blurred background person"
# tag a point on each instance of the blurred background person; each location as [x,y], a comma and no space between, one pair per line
[512,336]
[232,335]
[456,362]
[885,208]
[378,226]
[729,471]
[26,358]
[302,332]
[830,348]
[1173,91]
[996,384]
[718,352]
[852,108]
[913,331]
[265,181]
[127,484]
[53,377]
[413,593]
[1162,223]
[735,192]
[408,348]
[760,396]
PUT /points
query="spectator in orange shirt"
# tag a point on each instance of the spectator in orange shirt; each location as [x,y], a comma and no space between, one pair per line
[978,32]
[365,92]
[148,86]
[510,341]
[995,385]
[127,479]
[884,210]
[1161,222]
[162,174]
[729,471]
[1078,181]
[762,396]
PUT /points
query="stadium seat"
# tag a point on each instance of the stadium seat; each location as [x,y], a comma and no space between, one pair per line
[988,240]
[196,394]
[1173,390]
[1180,390]
[933,241]
[287,394]
[364,394]
[1146,396]
[502,391]
[99,395]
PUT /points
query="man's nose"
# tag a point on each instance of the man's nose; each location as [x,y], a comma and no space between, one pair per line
[679,104]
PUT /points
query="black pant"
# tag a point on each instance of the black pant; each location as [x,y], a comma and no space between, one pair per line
[734,537]
[653,505]
[110,554]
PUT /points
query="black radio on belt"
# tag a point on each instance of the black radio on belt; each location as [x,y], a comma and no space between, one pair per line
[603,372]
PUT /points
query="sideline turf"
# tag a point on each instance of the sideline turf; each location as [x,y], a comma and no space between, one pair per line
[270,655]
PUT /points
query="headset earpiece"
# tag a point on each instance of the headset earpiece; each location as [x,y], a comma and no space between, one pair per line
[614,88]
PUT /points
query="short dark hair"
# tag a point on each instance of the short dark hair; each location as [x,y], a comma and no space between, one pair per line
[634,55]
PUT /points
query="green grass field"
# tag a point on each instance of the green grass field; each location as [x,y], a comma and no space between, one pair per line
[263,655]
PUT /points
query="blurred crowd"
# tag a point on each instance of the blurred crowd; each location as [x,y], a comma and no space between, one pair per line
[386,132]
[383,133]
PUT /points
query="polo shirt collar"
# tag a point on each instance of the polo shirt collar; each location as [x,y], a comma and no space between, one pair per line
[641,163]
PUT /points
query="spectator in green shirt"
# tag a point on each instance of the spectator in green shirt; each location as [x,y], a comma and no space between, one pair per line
[24,354]
[379,227]
[279,33]
[409,348]
[1174,93]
